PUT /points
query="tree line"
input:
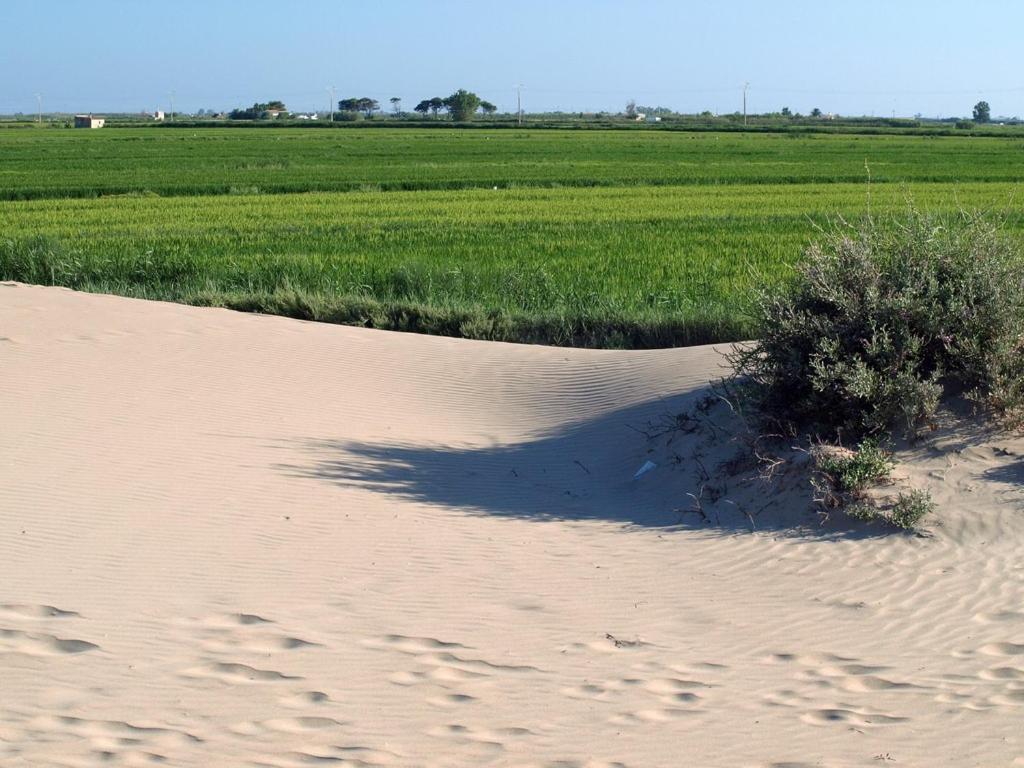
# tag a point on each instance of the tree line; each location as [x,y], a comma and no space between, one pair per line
[258,111]
[461,105]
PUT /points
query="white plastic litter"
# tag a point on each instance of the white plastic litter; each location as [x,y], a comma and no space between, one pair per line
[647,467]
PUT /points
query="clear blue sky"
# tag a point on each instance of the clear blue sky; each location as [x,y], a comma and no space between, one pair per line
[851,57]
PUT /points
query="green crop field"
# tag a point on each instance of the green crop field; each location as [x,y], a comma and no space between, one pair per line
[43,164]
[599,238]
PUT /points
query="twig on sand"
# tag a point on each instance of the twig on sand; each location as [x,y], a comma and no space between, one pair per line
[753,525]
[622,643]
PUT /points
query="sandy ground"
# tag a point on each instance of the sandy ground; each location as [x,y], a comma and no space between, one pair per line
[233,540]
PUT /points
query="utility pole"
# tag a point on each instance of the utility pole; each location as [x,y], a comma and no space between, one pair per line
[172,105]
[331,105]
[745,87]
[519,103]
[39,105]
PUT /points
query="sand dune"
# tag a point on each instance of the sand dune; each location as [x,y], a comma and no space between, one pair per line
[236,540]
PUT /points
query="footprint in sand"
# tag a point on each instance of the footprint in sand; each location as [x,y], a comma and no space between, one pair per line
[832,671]
[291,725]
[999,617]
[1002,649]
[230,633]
[42,644]
[849,716]
[1002,673]
[228,672]
[451,700]
[410,645]
[656,715]
[490,740]
[17,611]
[305,699]
[124,732]
[442,662]
[259,644]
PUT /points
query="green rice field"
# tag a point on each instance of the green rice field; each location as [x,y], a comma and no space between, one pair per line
[596,238]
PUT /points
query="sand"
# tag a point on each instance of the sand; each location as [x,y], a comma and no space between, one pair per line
[234,540]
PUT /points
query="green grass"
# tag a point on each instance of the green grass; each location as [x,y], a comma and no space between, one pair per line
[637,266]
[595,238]
[201,161]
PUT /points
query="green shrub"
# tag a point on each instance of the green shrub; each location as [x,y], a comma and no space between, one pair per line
[854,471]
[882,320]
[910,507]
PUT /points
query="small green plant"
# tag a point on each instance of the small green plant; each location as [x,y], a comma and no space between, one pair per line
[910,508]
[907,511]
[858,470]
[863,512]
[845,476]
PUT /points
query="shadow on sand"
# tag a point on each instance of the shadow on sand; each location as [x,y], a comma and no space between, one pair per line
[1011,473]
[580,472]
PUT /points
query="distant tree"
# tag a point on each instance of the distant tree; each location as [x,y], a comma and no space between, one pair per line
[436,105]
[364,104]
[396,105]
[257,111]
[786,112]
[982,112]
[423,107]
[815,112]
[367,106]
[654,110]
[487,108]
[462,104]
[630,108]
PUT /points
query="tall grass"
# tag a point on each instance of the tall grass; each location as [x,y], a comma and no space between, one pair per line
[624,267]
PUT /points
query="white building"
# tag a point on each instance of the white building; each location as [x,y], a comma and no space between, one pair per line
[88,121]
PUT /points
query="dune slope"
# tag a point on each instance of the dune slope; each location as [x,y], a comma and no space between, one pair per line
[236,540]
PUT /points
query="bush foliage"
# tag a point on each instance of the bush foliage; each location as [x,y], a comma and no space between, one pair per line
[854,471]
[882,320]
